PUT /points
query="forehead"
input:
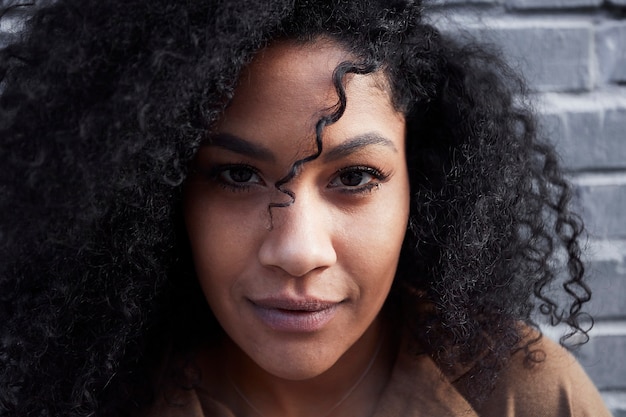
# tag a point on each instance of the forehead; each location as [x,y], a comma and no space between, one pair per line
[288,86]
[291,61]
[295,79]
[289,77]
[295,76]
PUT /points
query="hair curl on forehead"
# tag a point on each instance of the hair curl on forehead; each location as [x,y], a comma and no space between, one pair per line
[103,107]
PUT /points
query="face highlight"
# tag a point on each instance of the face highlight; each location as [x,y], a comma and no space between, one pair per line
[297,291]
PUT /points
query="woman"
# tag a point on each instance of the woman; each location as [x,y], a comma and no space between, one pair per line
[316,208]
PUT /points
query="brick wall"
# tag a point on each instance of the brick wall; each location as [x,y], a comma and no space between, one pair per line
[573,53]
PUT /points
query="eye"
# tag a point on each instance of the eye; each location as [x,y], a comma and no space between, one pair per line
[357,179]
[237,176]
[352,178]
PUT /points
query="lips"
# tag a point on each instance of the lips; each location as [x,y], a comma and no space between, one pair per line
[295,315]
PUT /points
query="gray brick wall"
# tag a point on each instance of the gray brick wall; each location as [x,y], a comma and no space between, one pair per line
[573,53]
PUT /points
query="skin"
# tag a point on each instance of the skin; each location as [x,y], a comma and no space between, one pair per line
[299,292]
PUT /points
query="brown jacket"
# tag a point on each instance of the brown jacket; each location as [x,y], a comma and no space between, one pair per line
[556,387]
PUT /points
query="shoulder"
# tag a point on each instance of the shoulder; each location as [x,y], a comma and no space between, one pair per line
[185,403]
[179,390]
[554,386]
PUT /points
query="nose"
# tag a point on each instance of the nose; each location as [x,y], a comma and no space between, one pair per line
[301,239]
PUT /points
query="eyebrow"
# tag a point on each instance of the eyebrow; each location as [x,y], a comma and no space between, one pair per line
[241,146]
[356,143]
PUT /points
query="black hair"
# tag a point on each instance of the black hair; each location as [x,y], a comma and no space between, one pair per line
[103,107]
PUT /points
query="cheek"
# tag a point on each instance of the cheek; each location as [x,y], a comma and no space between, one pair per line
[372,241]
[219,254]
[220,239]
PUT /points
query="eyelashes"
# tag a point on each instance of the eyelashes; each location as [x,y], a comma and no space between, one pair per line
[358,179]
[235,177]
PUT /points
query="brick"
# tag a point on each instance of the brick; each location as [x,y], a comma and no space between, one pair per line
[616,402]
[444,2]
[588,130]
[12,22]
[601,200]
[544,4]
[606,275]
[608,285]
[610,41]
[604,359]
[554,54]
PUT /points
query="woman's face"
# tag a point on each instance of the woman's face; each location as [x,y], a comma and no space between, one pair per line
[297,287]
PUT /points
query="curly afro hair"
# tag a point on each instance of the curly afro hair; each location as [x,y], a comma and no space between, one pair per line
[104,104]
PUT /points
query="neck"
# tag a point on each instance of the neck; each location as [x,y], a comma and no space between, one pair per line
[354,382]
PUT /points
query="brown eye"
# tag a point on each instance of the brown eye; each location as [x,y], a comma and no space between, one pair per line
[354,178]
[239,174]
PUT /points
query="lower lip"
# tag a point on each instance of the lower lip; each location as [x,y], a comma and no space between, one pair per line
[295,320]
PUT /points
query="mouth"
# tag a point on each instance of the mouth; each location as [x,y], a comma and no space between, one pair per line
[296,316]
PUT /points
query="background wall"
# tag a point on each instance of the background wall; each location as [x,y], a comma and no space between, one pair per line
[573,53]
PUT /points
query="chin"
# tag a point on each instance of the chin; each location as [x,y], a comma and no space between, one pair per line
[297,367]
[297,373]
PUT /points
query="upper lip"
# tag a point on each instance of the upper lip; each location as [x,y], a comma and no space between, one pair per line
[295,304]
